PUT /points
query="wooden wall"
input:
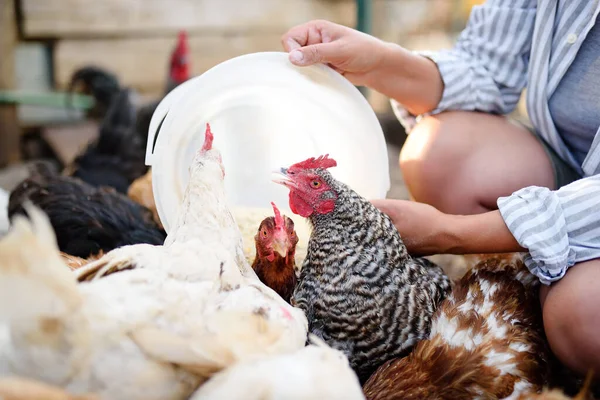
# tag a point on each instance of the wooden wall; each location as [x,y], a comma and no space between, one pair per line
[134,38]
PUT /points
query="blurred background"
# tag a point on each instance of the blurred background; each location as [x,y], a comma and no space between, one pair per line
[43,42]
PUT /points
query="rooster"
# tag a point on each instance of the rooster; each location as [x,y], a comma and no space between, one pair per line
[86,220]
[275,263]
[314,372]
[360,289]
[172,316]
[486,341]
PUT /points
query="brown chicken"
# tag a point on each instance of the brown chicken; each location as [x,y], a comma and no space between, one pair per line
[275,263]
[487,341]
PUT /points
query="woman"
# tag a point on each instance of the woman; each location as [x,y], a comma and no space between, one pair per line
[483,183]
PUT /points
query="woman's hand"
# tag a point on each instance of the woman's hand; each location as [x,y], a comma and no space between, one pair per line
[412,80]
[352,53]
[422,227]
[426,230]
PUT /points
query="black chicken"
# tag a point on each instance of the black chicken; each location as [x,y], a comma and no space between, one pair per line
[86,219]
[102,85]
[117,157]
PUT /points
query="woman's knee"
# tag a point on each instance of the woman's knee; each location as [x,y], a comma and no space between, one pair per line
[571,311]
[461,161]
[431,158]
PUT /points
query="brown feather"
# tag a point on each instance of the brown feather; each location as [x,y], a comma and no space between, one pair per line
[487,342]
[279,273]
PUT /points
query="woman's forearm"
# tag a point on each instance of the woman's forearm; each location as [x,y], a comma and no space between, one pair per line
[481,233]
[413,80]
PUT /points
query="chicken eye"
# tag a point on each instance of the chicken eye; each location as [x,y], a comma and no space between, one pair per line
[316,184]
[264,233]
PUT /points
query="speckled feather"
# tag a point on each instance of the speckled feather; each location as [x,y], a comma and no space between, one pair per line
[486,342]
[360,289]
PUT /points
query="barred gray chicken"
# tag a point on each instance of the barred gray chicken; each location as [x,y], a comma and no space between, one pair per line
[360,289]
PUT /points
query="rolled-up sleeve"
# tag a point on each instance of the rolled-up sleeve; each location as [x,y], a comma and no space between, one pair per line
[558,228]
[486,70]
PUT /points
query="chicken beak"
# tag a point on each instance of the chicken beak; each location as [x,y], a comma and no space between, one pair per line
[283,178]
[280,245]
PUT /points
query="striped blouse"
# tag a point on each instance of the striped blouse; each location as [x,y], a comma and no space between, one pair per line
[507,45]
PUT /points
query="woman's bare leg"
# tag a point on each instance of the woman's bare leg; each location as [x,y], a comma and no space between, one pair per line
[461,162]
[572,317]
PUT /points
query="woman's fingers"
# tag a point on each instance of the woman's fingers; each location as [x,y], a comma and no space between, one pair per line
[313,54]
[290,44]
[313,32]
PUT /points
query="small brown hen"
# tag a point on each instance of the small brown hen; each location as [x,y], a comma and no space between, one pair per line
[486,342]
[275,263]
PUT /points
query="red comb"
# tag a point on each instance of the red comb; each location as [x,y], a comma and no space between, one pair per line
[180,64]
[181,47]
[312,163]
[208,138]
[278,217]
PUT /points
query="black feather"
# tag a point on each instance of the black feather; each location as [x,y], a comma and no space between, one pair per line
[86,219]
[97,82]
[117,158]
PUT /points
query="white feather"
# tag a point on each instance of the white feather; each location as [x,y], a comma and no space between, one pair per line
[313,372]
[126,333]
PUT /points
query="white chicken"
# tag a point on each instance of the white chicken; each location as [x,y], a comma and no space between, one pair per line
[171,317]
[314,372]
[205,233]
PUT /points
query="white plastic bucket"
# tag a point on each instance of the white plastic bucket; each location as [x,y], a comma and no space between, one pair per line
[265,113]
